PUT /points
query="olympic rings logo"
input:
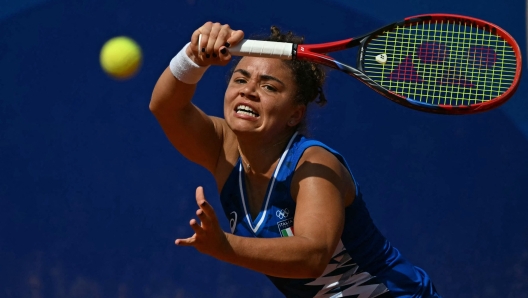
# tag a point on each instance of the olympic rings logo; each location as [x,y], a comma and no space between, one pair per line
[283,213]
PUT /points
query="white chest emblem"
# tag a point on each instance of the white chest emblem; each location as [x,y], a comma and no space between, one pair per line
[283,213]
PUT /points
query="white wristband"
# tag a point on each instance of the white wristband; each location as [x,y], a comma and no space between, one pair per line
[186,70]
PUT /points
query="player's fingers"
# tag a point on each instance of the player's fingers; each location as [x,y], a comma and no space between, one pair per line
[203,218]
[185,242]
[235,37]
[195,226]
[224,55]
[200,196]
[223,35]
[213,35]
[221,44]
[205,206]
[209,212]
[194,42]
[200,37]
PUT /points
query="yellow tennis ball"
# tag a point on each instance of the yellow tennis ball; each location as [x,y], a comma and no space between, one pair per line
[121,57]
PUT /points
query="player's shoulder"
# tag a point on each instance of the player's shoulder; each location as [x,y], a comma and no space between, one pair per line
[228,154]
[224,132]
[317,152]
[319,155]
[318,161]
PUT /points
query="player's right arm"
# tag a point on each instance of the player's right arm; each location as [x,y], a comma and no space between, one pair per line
[194,134]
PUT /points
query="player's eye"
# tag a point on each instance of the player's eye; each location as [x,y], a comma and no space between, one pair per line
[270,88]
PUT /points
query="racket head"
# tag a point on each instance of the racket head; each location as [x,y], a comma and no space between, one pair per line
[442,63]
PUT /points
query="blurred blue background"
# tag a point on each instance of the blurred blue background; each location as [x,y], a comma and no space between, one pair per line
[92,195]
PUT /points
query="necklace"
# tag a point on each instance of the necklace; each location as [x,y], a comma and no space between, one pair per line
[248,166]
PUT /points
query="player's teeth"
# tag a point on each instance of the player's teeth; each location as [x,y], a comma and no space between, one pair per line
[246,113]
[242,109]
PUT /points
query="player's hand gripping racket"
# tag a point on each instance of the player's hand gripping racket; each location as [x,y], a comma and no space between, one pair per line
[437,63]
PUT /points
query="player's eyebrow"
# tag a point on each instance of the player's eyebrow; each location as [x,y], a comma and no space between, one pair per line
[263,77]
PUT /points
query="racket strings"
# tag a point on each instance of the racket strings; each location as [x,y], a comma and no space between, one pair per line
[442,63]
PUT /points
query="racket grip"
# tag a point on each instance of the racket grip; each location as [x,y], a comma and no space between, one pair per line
[267,49]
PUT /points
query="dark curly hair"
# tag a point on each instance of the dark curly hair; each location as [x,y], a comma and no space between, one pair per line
[309,77]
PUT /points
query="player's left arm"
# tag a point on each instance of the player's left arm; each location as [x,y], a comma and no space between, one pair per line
[321,187]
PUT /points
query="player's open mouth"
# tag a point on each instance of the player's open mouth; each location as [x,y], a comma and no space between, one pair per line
[245,110]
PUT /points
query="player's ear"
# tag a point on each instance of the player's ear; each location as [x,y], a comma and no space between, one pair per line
[297,116]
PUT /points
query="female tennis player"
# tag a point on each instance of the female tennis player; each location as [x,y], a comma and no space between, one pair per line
[295,210]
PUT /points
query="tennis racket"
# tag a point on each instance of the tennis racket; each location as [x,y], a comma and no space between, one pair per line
[437,63]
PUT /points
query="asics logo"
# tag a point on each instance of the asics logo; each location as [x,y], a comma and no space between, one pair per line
[282,213]
[233,222]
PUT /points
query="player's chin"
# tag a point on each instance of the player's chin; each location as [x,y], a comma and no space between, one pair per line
[238,124]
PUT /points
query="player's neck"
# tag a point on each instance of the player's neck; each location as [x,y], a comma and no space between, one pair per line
[262,158]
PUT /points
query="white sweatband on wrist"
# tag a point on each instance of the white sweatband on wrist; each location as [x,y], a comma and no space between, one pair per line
[186,70]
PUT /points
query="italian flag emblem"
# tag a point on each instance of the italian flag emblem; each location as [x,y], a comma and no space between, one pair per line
[286,228]
[287,232]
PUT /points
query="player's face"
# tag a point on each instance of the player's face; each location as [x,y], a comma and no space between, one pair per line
[260,97]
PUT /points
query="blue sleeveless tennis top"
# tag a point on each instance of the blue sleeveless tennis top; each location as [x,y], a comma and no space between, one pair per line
[364,263]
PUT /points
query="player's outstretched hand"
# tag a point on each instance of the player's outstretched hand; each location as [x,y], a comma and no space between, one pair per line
[208,238]
[210,44]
